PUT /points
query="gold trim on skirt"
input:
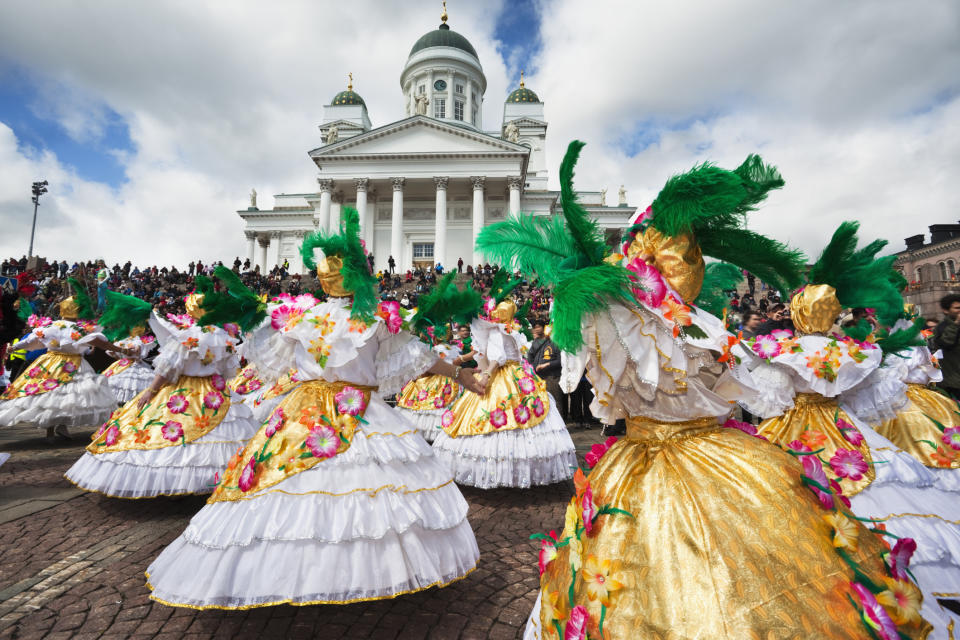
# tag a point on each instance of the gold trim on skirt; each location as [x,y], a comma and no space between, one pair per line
[46,373]
[179,414]
[423,393]
[118,366]
[914,431]
[515,399]
[811,421]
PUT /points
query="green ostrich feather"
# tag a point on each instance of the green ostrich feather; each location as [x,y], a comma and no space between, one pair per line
[584,230]
[235,303]
[122,315]
[532,244]
[86,310]
[899,341]
[718,278]
[773,262]
[446,303]
[859,331]
[357,278]
[589,290]
[24,311]
[502,286]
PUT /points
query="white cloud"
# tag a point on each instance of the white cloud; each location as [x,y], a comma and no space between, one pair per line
[856,102]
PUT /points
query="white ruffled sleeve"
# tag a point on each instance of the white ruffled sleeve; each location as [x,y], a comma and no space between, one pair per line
[878,397]
[493,342]
[771,389]
[31,343]
[401,357]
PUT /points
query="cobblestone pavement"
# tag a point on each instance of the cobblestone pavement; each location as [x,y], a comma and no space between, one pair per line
[72,564]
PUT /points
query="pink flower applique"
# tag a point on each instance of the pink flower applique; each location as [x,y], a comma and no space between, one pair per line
[447,389]
[766,347]
[253,385]
[113,434]
[389,312]
[650,289]
[598,450]
[850,432]
[874,615]
[177,404]
[589,509]
[248,477]
[285,317]
[548,551]
[498,418]
[899,557]
[849,463]
[275,422]
[122,362]
[577,624]
[438,402]
[51,384]
[35,372]
[172,430]
[35,321]
[951,437]
[537,406]
[249,372]
[746,427]
[489,305]
[521,414]
[213,400]
[218,382]
[527,385]
[838,493]
[241,389]
[527,368]
[31,389]
[350,401]
[447,419]
[69,367]
[232,329]
[796,445]
[814,471]
[781,334]
[422,395]
[322,442]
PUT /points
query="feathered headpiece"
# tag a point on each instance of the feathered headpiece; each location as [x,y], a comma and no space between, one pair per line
[446,303]
[236,303]
[84,307]
[718,278]
[123,315]
[344,247]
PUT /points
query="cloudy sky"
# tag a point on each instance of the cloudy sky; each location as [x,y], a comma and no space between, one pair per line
[152,120]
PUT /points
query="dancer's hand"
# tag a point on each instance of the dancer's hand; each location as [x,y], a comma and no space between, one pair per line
[145,398]
[472,382]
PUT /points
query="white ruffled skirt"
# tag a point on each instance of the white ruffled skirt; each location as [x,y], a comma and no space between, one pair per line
[131,381]
[169,471]
[87,400]
[426,422]
[906,497]
[382,519]
[543,454]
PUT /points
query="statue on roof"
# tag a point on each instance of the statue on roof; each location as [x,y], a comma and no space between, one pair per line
[603,197]
[623,196]
[253,198]
[511,132]
[422,104]
[332,134]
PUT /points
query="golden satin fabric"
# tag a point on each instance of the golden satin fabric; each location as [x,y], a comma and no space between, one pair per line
[285,444]
[506,406]
[282,386]
[331,280]
[180,413]
[429,393]
[504,312]
[246,381]
[913,431]
[677,258]
[43,375]
[811,421]
[726,542]
[118,366]
[193,303]
[815,309]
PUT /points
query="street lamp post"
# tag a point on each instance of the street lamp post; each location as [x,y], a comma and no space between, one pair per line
[39,188]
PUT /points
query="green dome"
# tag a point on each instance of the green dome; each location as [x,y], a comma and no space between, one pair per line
[348,97]
[444,37]
[523,95]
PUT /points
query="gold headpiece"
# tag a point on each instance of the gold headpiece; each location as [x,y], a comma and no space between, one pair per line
[328,273]
[815,309]
[677,258]
[138,330]
[69,310]
[193,302]
[504,311]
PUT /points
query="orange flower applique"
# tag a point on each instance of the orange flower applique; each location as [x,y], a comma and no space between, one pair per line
[142,436]
[191,343]
[813,438]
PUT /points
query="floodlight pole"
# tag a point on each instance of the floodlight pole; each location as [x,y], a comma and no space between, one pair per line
[39,188]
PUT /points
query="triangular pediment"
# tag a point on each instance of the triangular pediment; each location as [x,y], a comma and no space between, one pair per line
[418,136]
[528,122]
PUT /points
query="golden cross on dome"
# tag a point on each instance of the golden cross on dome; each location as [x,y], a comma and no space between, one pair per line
[521,78]
[350,84]
[443,16]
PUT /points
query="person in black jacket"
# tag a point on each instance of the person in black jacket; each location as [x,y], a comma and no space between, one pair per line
[946,337]
[544,357]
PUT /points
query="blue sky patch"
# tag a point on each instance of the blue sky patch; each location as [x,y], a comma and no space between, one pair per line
[518,30]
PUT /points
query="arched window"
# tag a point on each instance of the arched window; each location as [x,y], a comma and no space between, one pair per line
[943,270]
[919,275]
[951,269]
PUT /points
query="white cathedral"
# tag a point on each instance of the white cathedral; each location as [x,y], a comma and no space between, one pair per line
[426,185]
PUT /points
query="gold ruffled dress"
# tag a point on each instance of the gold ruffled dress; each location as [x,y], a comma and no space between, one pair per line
[426,399]
[513,436]
[686,529]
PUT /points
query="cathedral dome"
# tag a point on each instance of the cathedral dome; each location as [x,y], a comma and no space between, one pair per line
[348,97]
[523,95]
[443,36]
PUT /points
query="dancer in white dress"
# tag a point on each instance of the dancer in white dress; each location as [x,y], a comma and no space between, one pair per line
[125,323]
[337,498]
[60,389]
[176,435]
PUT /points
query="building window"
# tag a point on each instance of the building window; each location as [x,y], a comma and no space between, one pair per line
[458,109]
[439,108]
[951,269]
[943,270]
[423,250]
[473,96]
[459,88]
[422,88]
[919,276]
[474,120]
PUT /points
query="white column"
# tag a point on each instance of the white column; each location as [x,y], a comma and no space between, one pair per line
[264,243]
[371,223]
[396,223]
[275,246]
[326,193]
[514,182]
[296,263]
[479,211]
[440,240]
[468,109]
[361,185]
[450,94]
[336,212]
[251,242]
[429,101]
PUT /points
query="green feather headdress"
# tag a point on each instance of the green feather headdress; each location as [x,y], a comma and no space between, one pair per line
[502,285]
[859,277]
[357,278]
[446,303]
[122,315]
[86,310]
[718,278]
[236,303]
[566,254]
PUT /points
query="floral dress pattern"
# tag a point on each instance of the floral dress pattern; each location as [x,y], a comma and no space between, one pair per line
[426,400]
